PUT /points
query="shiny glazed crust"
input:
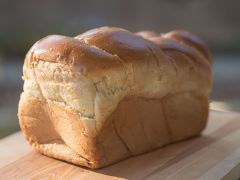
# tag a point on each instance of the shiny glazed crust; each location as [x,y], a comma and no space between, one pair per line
[109,94]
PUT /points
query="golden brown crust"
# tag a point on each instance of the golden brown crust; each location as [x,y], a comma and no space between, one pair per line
[109,94]
[190,40]
[181,37]
[101,48]
[71,52]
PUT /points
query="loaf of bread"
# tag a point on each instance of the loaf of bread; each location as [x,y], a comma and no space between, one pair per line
[109,94]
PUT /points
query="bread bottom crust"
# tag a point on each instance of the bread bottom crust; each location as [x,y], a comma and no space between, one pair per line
[136,126]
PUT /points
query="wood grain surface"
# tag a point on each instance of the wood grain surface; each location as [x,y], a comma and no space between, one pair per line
[214,155]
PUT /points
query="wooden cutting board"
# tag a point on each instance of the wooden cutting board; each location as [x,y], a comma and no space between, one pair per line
[214,155]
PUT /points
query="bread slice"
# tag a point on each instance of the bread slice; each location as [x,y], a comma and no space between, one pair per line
[109,94]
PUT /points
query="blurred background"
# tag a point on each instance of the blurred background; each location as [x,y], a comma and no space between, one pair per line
[23,22]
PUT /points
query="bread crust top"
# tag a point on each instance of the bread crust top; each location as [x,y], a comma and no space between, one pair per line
[99,48]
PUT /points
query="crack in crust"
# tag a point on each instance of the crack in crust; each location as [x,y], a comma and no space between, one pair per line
[166,122]
[121,139]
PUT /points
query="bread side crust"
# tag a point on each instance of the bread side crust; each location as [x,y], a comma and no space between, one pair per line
[136,126]
[59,132]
